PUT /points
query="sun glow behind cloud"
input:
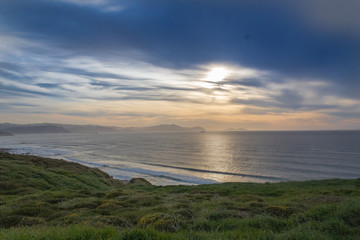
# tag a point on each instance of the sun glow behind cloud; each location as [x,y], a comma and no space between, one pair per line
[117,93]
[217,74]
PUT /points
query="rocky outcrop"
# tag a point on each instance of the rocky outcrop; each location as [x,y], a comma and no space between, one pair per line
[140,181]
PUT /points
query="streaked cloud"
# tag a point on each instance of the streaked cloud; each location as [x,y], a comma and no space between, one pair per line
[149,61]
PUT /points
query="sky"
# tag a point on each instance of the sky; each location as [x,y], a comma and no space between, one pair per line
[219,64]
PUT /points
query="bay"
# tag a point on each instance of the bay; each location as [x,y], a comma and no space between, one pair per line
[166,158]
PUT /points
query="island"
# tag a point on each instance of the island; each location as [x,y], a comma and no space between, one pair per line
[45,198]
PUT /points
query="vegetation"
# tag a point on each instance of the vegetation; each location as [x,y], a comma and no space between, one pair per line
[55,199]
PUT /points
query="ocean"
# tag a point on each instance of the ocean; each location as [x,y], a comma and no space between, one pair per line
[174,158]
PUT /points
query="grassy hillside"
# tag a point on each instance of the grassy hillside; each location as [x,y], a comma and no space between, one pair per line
[54,199]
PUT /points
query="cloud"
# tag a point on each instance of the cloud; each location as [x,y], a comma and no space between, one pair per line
[94,74]
[247,82]
[344,114]
[104,113]
[290,99]
[11,89]
[18,108]
[286,100]
[9,66]
[282,56]
[48,85]
[180,34]
[9,75]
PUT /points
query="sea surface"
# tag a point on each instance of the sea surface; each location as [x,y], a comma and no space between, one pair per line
[201,158]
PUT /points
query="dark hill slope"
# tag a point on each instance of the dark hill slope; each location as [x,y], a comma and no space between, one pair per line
[27,174]
[37,129]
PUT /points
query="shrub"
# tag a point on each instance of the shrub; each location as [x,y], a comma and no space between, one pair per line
[218,215]
[256,204]
[349,212]
[279,211]
[158,221]
[10,221]
[115,194]
[184,213]
[116,221]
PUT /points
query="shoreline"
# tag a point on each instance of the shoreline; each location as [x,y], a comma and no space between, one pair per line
[117,177]
[173,159]
[43,194]
[126,181]
[152,175]
[93,166]
[5,150]
[58,160]
[157,177]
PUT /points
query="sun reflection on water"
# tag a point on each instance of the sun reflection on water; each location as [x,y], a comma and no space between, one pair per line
[218,155]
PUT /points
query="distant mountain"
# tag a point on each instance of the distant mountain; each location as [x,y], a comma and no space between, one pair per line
[87,128]
[52,128]
[7,125]
[66,128]
[36,129]
[163,128]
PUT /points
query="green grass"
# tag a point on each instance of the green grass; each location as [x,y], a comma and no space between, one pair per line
[55,199]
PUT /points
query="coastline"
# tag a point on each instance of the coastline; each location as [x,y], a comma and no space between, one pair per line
[155,176]
[8,150]
[46,198]
[186,159]
[163,178]
[5,150]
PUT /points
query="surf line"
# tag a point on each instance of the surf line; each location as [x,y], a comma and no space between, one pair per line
[216,172]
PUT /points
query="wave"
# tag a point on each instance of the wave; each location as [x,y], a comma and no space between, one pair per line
[38,151]
[216,172]
[181,178]
[44,152]
[99,165]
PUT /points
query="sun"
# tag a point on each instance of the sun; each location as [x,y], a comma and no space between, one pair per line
[217,74]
